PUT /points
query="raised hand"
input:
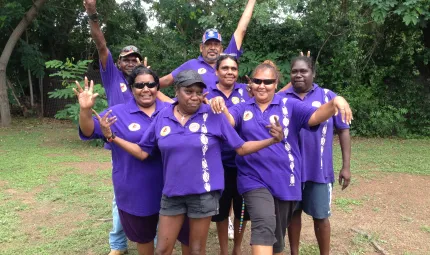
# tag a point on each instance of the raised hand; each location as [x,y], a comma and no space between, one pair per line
[308,54]
[90,6]
[85,96]
[276,130]
[106,122]
[342,106]
[218,105]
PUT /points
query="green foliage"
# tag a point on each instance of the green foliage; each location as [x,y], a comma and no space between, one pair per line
[69,72]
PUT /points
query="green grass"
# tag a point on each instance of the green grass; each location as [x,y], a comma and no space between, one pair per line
[49,206]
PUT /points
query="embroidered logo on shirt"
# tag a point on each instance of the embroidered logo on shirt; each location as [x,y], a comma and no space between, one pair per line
[165,131]
[235,100]
[123,87]
[316,104]
[202,70]
[134,127]
[272,119]
[247,115]
[194,127]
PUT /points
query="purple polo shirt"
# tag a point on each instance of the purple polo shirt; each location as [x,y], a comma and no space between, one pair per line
[317,147]
[191,154]
[204,69]
[276,167]
[115,84]
[238,95]
[137,184]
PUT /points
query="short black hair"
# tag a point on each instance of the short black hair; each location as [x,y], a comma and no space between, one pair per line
[141,69]
[224,57]
[308,60]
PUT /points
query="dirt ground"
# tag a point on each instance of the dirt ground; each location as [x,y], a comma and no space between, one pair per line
[392,210]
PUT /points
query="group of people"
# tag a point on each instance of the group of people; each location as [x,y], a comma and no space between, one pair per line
[178,164]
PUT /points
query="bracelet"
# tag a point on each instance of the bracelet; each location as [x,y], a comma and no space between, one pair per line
[111,138]
[94,17]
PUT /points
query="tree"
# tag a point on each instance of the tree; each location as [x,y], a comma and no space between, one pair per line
[4,59]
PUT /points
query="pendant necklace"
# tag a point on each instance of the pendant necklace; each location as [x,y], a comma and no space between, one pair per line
[183,115]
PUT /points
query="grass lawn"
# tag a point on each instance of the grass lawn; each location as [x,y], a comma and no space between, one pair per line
[55,190]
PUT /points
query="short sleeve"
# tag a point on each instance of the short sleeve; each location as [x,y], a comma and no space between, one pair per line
[337,120]
[232,48]
[301,114]
[149,138]
[184,66]
[237,112]
[97,133]
[110,72]
[229,134]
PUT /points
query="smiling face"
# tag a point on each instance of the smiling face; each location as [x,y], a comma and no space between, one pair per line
[128,63]
[264,93]
[302,76]
[190,98]
[145,97]
[227,72]
[210,50]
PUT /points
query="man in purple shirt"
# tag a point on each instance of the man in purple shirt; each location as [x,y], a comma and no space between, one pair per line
[114,79]
[211,48]
[317,157]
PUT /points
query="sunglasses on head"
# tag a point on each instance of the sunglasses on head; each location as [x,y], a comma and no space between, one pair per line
[129,48]
[265,82]
[141,85]
[234,55]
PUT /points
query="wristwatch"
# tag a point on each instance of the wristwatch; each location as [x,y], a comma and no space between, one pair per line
[94,17]
[111,138]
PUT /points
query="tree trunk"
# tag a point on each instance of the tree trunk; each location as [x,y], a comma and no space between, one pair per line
[4,59]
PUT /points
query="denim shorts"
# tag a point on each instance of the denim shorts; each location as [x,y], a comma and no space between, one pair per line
[194,206]
[316,199]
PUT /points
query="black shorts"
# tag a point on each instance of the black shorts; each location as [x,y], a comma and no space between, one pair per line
[230,193]
[194,206]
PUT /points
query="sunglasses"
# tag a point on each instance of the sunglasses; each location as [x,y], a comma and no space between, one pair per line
[234,55]
[265,82]
[129,48]
[141,85]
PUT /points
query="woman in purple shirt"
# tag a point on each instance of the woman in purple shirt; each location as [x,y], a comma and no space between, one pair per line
[137,184]
[269,179]
[189,137]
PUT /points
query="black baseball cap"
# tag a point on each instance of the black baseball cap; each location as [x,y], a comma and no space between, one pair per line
[187,78]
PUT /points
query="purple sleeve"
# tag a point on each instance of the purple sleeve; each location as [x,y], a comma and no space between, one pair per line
[149,139]
[228,134]
[237,112]
[337,120]
[110,72]
[97,134]
[232,48]
[184,66]
[302,112]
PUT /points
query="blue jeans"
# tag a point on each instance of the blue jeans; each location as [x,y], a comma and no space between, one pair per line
[117,238]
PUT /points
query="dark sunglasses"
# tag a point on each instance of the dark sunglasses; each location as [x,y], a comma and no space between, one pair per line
[129,48]
[265,82]
[141,85]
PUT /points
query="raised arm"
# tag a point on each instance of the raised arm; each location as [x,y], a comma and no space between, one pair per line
[333,107]
[240,32]
[86,100]
[96,32]
[345,145]
[166,80]
[132,148]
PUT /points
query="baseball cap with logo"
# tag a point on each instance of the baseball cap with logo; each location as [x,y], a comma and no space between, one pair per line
[211,33]
[128,50]
[187,78]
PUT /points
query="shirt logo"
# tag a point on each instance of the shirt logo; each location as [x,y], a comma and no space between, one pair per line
[165,131]
[194,127]
[235,100]
[247,115]
[123,87]
[201,70]
[316,104]
[134,127]
[272,119]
